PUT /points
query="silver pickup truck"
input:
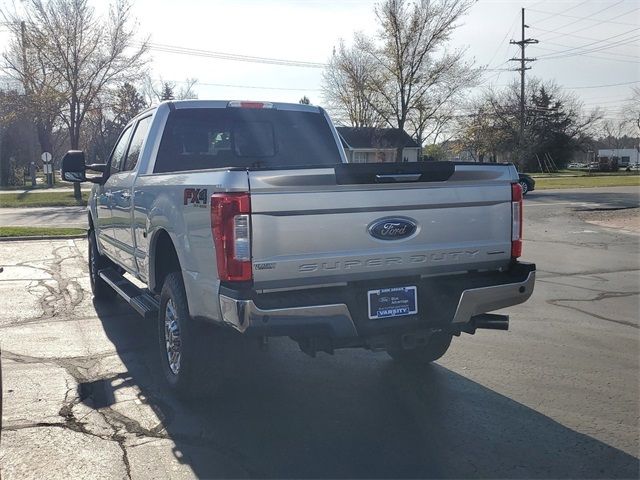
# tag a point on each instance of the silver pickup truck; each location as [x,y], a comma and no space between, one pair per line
[245,219]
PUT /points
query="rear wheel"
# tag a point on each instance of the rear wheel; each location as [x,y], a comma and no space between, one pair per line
[100,289]
[0,394]
[436,347]
[191,353]
[525,187]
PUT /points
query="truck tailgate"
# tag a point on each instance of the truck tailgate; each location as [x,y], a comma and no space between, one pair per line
[320,226]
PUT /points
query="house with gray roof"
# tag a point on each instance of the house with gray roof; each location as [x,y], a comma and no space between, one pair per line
[377,145]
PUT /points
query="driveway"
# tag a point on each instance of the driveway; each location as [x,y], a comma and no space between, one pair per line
[555,397]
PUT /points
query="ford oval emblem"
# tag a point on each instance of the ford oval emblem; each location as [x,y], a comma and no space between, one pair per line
[392,228]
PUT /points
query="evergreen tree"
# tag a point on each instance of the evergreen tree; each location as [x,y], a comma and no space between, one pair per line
[167,92]
[128,103]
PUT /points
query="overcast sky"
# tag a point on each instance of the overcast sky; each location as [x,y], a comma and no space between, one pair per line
[307,30]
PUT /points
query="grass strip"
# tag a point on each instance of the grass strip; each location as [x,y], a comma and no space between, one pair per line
[6,232]
[584,182]
[44,199]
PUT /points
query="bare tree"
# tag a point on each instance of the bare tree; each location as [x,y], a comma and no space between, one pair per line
[346,88]
[404,76]
[433,112]
[188,90]
[24,62]
[614,132]
[412,55]
[84,53]
[104,123]
[555,123]
[160,90]
[632,110]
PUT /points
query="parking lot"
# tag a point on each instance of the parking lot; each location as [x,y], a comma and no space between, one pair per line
[555,397]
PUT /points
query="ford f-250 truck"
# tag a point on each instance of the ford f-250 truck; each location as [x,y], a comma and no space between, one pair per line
[245,217]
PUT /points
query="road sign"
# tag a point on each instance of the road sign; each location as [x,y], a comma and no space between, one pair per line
[46,157]
[48,168]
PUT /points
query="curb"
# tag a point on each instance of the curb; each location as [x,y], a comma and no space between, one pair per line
[42,237]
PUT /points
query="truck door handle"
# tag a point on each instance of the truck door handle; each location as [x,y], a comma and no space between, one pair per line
[398,177]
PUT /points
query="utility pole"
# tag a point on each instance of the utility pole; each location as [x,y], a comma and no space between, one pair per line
[523,67]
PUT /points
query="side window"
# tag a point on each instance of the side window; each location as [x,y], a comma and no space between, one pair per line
[119,151]
[136,143]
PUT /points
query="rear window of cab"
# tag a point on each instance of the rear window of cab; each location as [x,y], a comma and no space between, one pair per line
[198,139]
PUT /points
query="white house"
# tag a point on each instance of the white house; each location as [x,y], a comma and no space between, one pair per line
[625,156]
[371,145]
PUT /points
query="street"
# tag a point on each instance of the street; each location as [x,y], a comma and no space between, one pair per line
[555,397]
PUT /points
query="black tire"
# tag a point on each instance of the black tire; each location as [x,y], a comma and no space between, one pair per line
[201,348]
[436,347]
[525,186]
[0,398]
[100,289]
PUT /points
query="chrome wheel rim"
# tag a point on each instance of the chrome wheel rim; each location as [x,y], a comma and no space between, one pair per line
[525,187]
[172,337]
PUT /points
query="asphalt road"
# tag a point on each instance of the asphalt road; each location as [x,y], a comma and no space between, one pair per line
[555,397]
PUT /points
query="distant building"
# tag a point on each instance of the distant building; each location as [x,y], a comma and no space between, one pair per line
[625,156]
[377,145]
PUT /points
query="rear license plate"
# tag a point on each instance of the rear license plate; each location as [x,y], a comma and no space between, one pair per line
[392,302]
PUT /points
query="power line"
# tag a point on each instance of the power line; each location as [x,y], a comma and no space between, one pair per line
[627,58]
[571,34]
[606,97]
[513,23]
[592,56]
[607,45]
[582,37]
[585,38]
[561,12]
[232,56]
[589,17]
[599,102]
[602,86]
[588,26]
[620,43]
[257,87]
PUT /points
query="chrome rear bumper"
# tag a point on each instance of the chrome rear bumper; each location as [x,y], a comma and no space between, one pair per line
[336,320]
[245,315]
[487,299]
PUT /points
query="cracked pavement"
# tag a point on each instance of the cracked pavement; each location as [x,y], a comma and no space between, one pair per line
[556,396]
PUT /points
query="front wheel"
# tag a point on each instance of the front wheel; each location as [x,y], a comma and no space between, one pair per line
[191,354]
[525,187]
[436,347]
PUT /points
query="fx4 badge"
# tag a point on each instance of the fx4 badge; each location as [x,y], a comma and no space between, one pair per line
[196,196]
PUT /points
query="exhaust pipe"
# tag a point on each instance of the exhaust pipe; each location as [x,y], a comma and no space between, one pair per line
[491,321]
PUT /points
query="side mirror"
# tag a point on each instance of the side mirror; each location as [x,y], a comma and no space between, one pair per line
[73,166]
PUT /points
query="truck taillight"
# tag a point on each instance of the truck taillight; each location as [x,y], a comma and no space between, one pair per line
[231,230]
[516,220]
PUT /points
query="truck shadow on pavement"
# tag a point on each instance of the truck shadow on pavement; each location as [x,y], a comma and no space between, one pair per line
[355,414]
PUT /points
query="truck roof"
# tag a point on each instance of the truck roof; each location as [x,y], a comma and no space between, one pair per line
[180,104]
